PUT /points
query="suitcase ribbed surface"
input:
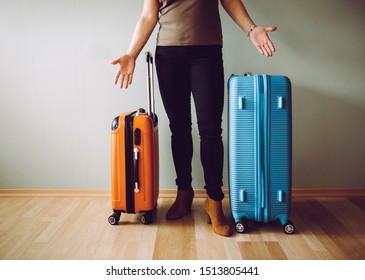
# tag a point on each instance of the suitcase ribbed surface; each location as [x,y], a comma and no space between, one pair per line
[280,147]
[242,146]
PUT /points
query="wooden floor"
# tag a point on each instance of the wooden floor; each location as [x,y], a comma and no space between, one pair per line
[76,228]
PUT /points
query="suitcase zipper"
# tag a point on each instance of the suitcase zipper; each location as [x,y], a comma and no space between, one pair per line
[129,158]
[262,140]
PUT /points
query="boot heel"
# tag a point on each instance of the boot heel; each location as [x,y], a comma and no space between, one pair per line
[188,206]
[209,221]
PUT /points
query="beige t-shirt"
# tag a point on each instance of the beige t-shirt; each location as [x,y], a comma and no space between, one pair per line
[189,22]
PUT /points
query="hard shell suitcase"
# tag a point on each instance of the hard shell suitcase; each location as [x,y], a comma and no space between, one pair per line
[134,159]
[260,149]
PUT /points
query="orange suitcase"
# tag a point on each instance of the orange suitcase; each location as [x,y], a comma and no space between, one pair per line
[134,159]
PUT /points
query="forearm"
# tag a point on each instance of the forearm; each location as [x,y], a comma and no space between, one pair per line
[142,33]
[237,11]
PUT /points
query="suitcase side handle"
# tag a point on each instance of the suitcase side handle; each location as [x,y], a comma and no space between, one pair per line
[150,86]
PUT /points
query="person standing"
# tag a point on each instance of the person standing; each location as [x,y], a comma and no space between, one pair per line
[189,64]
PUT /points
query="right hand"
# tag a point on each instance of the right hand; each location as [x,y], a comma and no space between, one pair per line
[126,69]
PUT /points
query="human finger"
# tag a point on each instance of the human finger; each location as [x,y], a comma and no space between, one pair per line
[270,28]
[117,76]
[268,50]
[271,46]
[123,81]
[259,48]
[114,62]
[265,51]
[127,81]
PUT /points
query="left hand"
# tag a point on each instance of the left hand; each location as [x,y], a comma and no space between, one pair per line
[260,38]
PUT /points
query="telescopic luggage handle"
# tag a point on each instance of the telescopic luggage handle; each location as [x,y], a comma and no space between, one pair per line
[150,113]
[150,86]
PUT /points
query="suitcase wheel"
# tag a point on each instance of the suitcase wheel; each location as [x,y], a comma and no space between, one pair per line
[289,227]
[146,218]
[114,219]
[241,227]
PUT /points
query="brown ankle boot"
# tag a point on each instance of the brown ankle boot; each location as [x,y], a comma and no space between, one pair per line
[216,217]
[182,204]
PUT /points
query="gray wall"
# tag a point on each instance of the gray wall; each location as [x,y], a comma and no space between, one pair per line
[57,97]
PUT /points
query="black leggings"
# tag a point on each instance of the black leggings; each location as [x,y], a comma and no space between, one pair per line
[196,70]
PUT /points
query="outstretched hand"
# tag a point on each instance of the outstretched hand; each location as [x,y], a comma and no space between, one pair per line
[260,38]
[125,71]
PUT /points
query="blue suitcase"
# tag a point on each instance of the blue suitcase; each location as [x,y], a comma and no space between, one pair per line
[260,149]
